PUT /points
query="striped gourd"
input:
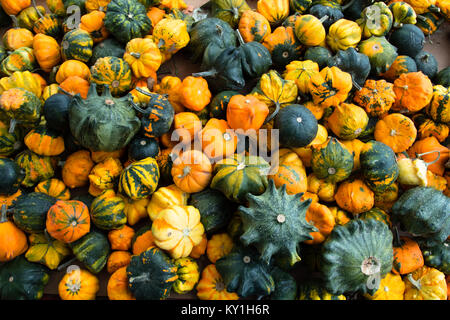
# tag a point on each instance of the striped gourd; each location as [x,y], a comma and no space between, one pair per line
[114,72]
[377,214]
[21,59]
[9,142]
[23,80]
[92,250]
[50,25]
[108,211]
[439,108]
[140,179]
[44,141]
[55,188]
[77,45]
[37,168]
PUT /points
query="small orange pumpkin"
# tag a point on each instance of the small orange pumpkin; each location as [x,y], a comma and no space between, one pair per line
[413,91]
[194,93]
[118,286]
[77,167]
[218,140]
[396,131]
[192,171]
[320,217]
[117,260]
[246,112]
[354,196]
[120,239]
[13,241]
[218,246]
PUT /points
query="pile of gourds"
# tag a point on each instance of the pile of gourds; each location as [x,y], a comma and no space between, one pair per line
[90,173]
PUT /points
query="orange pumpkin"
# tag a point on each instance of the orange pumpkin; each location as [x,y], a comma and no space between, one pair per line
[143,242]
[253,26]
[320,217]
[13,241]
[186,126]
[199,249]
[68,221]
[118,286]
[413,91]
[246,112]
[354,196]
[194,93]
[354,147]
[323,189]
[75,85]
[396,131]
[421,148]
[117,260]
[171,85]
[218,140]
[72,68]
[290,173]
[93,22]
[212,287]
[120,239]
[192,171]
[47,51]
[77,167]
[219,246]
[407,256]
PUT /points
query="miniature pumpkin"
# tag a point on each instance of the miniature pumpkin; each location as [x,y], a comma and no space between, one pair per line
[246,112]
[343,34]
[275,11]
[170,85]
[72,68]
[218,246]
[428,128]
[92,22]
[402,13]
[325,190]
[391,287]
[178,229]
[143,56]
[68,221]
[188,274]
[376,97]
[218,140]
[229,11]
[402,64]
[309,30]
[117,260]
[120,239]
[407,255]
[253,26]
[14,241]
[383,20]
[283,46]
[54,188]
[46,250]
[422,148]
[396,131]
[212,287]
[14,7]
[348,121]
[23,80]
[413,91]
[170,35]
[77,45]
[425,284]
[77,167]
[354,147]
[78,284]
[135,210]
[37,168]
[191,171]
[330,87]
[301,72]
[45,142]
[139,179]
[164,197]
[291,172]
[194,93]
[117,288]
[354,196]
[320,217]
[439,107]
[114,72]
[186,127]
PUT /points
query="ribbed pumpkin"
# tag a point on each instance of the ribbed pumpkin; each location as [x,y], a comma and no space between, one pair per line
[330,87]
[171,36]
[50,25]
[93,23]
[44,141]
[253,26]
[14,241]
[218,140]
[275,11]
[47,51]
[22,81]
[20,105]
[290,173]
[396,131]
[14,7]
[77,45]
[108,211]
[391,287]
[354,196]
[383,24]
[192,171]
[402,64]
[402,13]
[188,275]
[117,260]
[376,97]
[439,107]
[212,287]
[301,72]
[77,167]
[165,197]
[21,59]
[343,34]
[45,250]
[413,91]
[381,53]
[425,284]
[68,221]
[17,37]
[54,188]
[283,46]
[114,72]
[139,179]
[78,284]
[246,112]
[143,56]
[309,30]
[118,287]
[323,189]
[348,121]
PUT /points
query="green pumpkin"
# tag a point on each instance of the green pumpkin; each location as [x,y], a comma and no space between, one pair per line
[28,17]
[438,256]
[215,209]
[77,45]
[140,179]
[11,175]
[107,48]
[86,115]
[240,175]
[314,290]
[378,165]
[375,20]
[275,223]
[112,72]
[22,280]
[297,126]
[350,61]
[402,13]
[10,142]
[92,250]
[21,59]
[356,255]
[244,273]
[210,31]
[37,168]
[300,6]
[285,285]
[79,3]
[229,11]
[284,47]
[377,214]
[381,53]
[126,20]
[30,211]
[332,162]
[255,58]
[330,9]
[108,211]
[56,112]
[151,275]
[427,63]
[157,116]
[319,55]
[423,212]
[443,77]
[219,103]
[142,147]
[409,40]
[429,22]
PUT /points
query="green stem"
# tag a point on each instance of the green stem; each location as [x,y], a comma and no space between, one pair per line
[15,21]
[66,264]
[65,92]
[434,9]
[37,10]
[137,108]
[12,125]
[348,5]
[274,114]
[210,73]
[415,283]
[418,155]
[239,36]
[397,240]
[4,217]
[323,19]
[356,85]
[136,55]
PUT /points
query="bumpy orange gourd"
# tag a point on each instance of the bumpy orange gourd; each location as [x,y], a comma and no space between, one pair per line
[117,260]
[376,97]
[330,87]
[397,131]
[413,91]
[77,167]
[212,287]
[426,283]
[275,11]
[323,189]
[47,51]
[218,140]
[120,239]
[219,246]
[253,26]
[323,219]
[143,56]
[246,112]
[171,85]
[54,188]
[78,284]
[290,173]
[407,256]
[194,93]
[118,286]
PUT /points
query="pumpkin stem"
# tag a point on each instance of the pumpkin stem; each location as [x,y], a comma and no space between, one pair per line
[418,155]
[12,125]
[47,236]
[414,282]
[15,21]
[397,24]
[107,91]
[397,240]
[137,108]
[274,114]
[239,36]
[433,8]
[356,85]
[370,266]
[323,19]
[348,5]
[186,171]
[145,93]
[35,7]
[3,217]
[66,264]
[136,55]
[210,73]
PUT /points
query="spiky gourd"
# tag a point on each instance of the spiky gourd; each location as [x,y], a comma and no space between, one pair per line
[275,222]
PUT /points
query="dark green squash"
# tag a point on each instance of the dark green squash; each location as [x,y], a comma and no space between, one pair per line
[319,55]
[126,20]
[423,212]
[219,103]
[285,285]
[297,126]
[332,162]
[380,52]
[429,22]
[157,115]
[142,147]
[353,8]
[151,275]
[356,255]
[210,31]
[92,250]
[56,112]
[408,39]
[378,166]
[443,77]
[77,44]
[11,176]
[30,212]
[240,175]
[367,134]
[300,6]
[427,63]
[357,64]
[255,58]
[438,256]
[275,223]
[107,48]
[102,123]
[332,11]
[22,280]
[244,273]
[215,209]
[10,142]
